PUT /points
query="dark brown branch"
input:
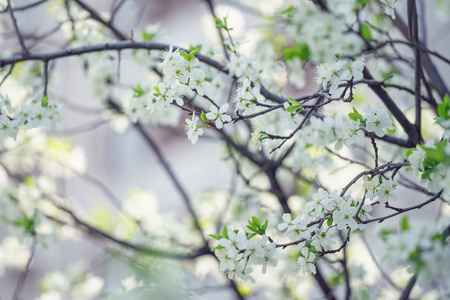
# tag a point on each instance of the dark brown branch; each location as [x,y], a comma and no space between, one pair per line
[430,68]
[115,10]
[378,170]
[407,291]
[24,7]
[24,274]
[82,128]
[375,148]
[414,36]
[393,108]
[403,210]
[16,28]
[95,232]
[45,78]
[94,15]
[348,290]
[7,74]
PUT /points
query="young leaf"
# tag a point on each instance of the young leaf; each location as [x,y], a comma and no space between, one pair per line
[292,108]
[256,222]
[138,92]
[264,227]
[366,32]
[444,108]
[216,236]
[329,222]
[225,231]
[204,118]
[405,223]
[410,151]
[45,101]
[293,101]
[355,115]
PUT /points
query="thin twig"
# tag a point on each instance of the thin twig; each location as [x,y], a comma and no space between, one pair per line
[7,74]
[16,27]
[403,210]
[24,274]
[375,260]
[407,291]
[211,10]
[25,7]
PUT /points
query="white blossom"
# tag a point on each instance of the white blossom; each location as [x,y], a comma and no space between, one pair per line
[377,119]
[197,81]
[219,116]
[193,131]
[388,6]
[306,261]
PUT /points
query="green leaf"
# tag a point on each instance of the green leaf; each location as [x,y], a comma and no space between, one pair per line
[302,51]
[204,118]
[293,101]
[288,11]
[138,92]
[366,32]
[264,227]
[363,2]
[27,223]
[197,48]
[147,37]
[293,108]
[251,227]
[225,231]
[355,115]
[44,102]
[217,247]
[250,235]
[404,224]
[444,108]
[219,23]
[288,53]
[410,151]
[385,233]
[256,222]
[329,221]
[438,237]
[216,236]
[189,56]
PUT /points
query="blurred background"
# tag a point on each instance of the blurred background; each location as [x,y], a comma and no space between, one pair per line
[116,155]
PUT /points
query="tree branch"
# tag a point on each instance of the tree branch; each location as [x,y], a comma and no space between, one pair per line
[16,27]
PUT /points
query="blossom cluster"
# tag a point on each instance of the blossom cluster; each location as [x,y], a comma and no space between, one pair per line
[237,249]
[244,66]
[421,246]
[81,285]
[323,131]
[183,75]
[325,32]
[430,164]
[29,115]
[376,187]
[342,70]
[246,95]
[322,214]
